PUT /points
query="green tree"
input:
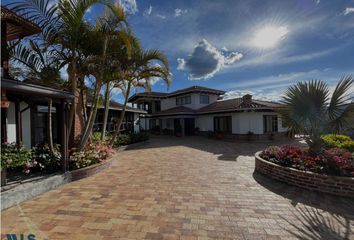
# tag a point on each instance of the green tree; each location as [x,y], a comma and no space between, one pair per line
[138,71]
[310,110]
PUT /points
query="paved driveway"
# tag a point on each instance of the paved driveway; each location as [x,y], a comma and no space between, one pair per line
[182,188]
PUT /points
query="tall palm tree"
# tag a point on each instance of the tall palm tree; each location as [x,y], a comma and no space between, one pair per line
[63,28]
[309,109]
[138,71]
[110,29]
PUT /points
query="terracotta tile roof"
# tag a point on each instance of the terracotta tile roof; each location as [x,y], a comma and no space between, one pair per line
[236,104]
[17,26]
[176,110]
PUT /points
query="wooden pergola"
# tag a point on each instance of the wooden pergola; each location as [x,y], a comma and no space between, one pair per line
[13,27]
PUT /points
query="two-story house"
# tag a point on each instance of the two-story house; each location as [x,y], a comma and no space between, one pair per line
[201,110]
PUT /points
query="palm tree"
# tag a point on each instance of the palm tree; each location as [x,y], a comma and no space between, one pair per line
[110,29]
[43,68]
[64,30]
[138,71]
[309,109]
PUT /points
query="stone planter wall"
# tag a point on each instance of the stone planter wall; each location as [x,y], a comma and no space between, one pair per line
[90,170]
[341,186]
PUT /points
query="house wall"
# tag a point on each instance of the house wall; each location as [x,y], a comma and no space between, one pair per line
[195,101]
[242,122]
[26,125]
[11,123]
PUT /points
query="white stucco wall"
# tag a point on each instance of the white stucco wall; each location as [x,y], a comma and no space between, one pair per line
[11,123]
[242,122]
[195,101]
[26,125]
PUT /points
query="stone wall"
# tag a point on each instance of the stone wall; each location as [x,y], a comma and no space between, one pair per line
[341,186]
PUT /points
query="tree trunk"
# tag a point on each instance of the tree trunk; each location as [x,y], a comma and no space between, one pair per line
[73,82]
[120,121]
[106,111]
[50,126]
[91,120]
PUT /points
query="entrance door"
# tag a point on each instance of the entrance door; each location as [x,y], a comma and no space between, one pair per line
[189,126]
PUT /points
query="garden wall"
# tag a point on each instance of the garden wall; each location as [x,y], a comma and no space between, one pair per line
[341,186]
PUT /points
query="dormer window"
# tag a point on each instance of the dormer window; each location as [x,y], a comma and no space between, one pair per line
[204,99]
[183,100]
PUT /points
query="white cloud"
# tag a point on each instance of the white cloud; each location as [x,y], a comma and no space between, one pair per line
[348,10]
[161,16]
[267,95]
[148,11]
[181,64]
[179,12]
[318,2]
[206,60]
[129,6]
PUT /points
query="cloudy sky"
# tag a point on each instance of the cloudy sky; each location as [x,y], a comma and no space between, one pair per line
[252,46]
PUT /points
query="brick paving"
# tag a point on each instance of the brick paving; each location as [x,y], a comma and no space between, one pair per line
[182,188]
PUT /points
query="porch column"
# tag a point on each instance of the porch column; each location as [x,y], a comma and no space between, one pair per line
[18,122]
[64,136]
[183,127]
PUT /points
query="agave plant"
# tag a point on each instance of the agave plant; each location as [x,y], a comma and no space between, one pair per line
[309,109]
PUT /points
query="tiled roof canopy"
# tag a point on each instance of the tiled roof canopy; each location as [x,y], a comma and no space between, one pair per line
[193,89]
[237,104]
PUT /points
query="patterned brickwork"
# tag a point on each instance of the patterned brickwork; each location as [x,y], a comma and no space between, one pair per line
[341,186]
[182,188]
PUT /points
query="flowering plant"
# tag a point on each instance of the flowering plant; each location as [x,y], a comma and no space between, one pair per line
[14,156]
[334,161]
[92,154]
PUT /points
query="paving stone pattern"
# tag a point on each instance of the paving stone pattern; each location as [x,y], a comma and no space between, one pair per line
[182,188]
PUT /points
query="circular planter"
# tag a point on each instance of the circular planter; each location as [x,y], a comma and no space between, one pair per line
[340,186]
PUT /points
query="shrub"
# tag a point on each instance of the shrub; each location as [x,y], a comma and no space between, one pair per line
[126,139]
[334,161]
[96,137]
[338,141]
[339,162]
[15,156]
[93,153]
[46,161]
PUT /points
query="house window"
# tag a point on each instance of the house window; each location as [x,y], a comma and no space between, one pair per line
[40,124]
[183,100]
[270,123]
[157,106]
[222,124]
[204,99]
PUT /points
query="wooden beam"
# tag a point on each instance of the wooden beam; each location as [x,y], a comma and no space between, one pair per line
[18,122]
[64,136]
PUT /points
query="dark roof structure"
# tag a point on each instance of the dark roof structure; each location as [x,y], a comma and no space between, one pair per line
[14,86]
[114,105]
[17,27]
[160,95]
[180,110]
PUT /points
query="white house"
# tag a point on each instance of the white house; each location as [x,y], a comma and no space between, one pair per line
[202,110]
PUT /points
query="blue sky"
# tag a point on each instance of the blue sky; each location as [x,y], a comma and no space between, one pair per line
[218,44]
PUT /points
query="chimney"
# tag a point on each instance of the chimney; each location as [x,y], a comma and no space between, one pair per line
[247,100]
